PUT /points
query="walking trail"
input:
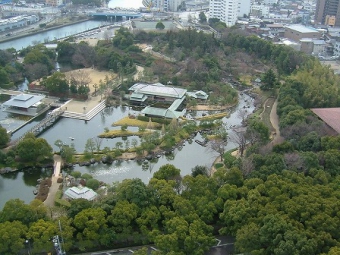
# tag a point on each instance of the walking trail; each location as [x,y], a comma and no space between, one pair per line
[49,202]
[274,119]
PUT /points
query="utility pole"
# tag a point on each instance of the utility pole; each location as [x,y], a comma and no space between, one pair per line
[57,244]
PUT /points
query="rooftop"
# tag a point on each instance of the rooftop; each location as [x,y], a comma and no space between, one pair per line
[159,112]
[302,29]
[158,89]
[330,116]
[23,101]
[82,192]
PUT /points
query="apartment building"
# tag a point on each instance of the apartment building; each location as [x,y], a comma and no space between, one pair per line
[163,5]
[229,10]
[327,8]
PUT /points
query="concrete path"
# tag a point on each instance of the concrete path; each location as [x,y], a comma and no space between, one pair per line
[49,202]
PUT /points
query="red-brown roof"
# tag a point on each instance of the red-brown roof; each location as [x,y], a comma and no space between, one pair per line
[331,116]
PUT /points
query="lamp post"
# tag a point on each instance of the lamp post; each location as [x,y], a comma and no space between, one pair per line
[27,243]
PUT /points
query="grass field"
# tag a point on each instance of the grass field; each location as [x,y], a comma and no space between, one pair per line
[136,123]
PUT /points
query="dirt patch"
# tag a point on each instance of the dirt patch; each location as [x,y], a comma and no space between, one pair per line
[44,187]
[91,41]
[94,75]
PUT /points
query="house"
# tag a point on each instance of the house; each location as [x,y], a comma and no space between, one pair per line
[296,32]
[81,192]
[201,95]
[309,46]
[25,104]
[160,100]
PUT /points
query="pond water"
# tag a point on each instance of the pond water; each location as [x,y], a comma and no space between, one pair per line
[22,184]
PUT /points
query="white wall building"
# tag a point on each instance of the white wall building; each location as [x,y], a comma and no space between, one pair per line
[260,10]
[162,5]
[270,2]
[173,4]
[229,10]
[17,22]
[244,7]
[336,48]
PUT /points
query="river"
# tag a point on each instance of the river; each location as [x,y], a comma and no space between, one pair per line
[50,35]
[22,184]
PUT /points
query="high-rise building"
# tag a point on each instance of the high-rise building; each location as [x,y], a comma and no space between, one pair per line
[228,11]
[326,8]
[162,5]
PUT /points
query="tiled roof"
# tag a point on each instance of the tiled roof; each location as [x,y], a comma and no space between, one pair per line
[331,116]
[82,192]
[159,112]
[23,100]
[158,89]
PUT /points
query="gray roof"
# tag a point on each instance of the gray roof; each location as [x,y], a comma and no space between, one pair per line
[198,94]
[138,97]
[82,192]
[302,29]
[158,89]
[159,112]
[23,101]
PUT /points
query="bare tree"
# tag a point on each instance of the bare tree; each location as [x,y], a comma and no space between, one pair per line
[107,35]
[98,141]
[35,71]
[81,77]
[242,114]
[293,161]
[247,165]
[218,145]
[240,138]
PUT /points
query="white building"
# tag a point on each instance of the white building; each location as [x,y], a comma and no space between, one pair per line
[80,192]
[270,2]
[173,5]
[336,48]
[313,46]
[162,5]
[228,11]
[260,10]
[17,22]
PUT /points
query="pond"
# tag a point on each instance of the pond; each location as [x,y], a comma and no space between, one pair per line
[21,184]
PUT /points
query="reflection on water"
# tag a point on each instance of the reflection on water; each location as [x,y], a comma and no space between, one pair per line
[21,185]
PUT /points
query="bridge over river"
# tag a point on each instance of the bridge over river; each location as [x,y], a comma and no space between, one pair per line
[115,16]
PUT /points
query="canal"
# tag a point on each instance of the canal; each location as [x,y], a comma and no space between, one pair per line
[50,35]
[22,184]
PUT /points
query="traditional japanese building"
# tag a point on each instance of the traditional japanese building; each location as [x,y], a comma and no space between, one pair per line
[81,192]
[160,100]
[25,104]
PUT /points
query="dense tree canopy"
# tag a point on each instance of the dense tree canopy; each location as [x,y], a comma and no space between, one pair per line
[33,150]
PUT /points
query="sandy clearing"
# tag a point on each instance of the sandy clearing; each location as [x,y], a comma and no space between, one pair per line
[94,75]
[91,41]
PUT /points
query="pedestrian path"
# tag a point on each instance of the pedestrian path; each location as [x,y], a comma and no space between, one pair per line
[49,202]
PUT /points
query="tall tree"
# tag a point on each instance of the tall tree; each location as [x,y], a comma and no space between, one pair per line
[269,80]
[202,17]
[4,137]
